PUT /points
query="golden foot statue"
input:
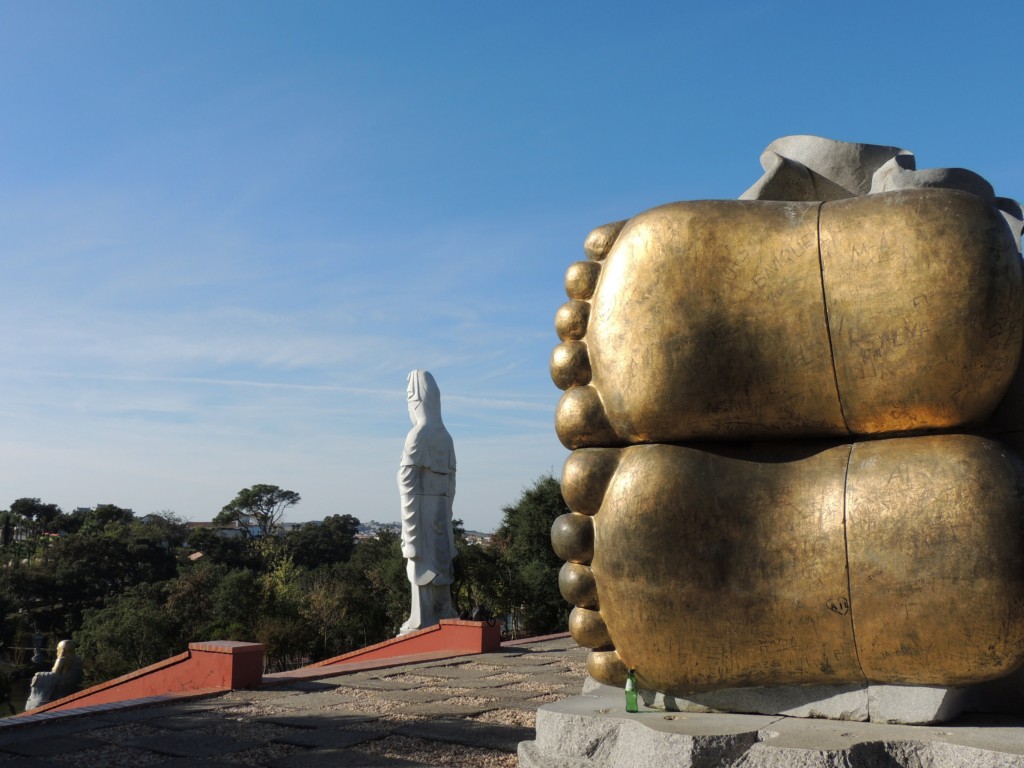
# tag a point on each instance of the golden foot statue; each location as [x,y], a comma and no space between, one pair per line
[786,468]
[721,319]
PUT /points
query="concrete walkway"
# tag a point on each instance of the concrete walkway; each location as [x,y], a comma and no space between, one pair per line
[465,711]
[474,711]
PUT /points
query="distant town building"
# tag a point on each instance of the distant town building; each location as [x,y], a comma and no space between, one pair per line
[246,527]
[371,529]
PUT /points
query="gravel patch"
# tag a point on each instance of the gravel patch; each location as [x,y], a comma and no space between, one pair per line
[506,677]
[126,732]
[520,717]
[392,707]
[384,706]
[475,701]
[527,686]
[541,658]
[254,709]
[114,756]
[371,684]
[438,753]
[302,686]
[404,717]
[417,679]
[245,730]
[260,694]
[546,699]
[260,755]
[442,689]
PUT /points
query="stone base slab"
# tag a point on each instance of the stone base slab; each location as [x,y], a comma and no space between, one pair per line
[594,731]
[897,704]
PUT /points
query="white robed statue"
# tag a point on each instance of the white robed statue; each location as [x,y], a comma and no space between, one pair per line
[426,481]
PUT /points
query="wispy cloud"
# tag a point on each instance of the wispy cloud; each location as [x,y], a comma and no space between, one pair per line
[162,353]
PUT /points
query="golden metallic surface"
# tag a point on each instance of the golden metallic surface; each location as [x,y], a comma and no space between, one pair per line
[606,667]
[787,564]
[714,320]
[572,537]
[577,585]
[717,564]
[716,571]
[570,365]
[588,628]
[580,419]
[936,547]
[585,476]
[923,290]
[571,320]
[708,321]
[581,279]
[601,239]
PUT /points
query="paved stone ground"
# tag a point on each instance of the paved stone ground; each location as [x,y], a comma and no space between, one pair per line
[466,711]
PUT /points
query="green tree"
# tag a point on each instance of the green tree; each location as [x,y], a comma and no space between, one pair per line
[380,593]
[153,543]
[233,552]
[237,606]
[260,505]
[476,575]
[9,521]
[95,518]
[105,514]
[106,551]
[92,564]
[326,606]
[132,631]
[190,602]
[527,566]
[43,516]
[287,639]
[316,544]
[166,527]
[21,527]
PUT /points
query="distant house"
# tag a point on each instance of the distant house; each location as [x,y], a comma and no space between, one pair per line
[372,529]
[247,527]
[225,532]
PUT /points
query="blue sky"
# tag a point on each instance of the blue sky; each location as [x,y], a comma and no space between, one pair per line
[228,230]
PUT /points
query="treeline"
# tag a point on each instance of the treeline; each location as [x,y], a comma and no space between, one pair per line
[132,590]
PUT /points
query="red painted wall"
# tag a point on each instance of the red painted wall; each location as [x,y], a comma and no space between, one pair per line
[214,665]
[455,635]
[220,665]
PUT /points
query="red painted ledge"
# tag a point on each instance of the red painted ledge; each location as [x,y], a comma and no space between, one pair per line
[454,636]
[215,665]
[222,665]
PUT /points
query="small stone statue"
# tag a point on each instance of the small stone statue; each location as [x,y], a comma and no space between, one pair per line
[426,482]
[62,680]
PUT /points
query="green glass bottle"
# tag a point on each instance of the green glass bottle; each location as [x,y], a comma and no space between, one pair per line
[631,704]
